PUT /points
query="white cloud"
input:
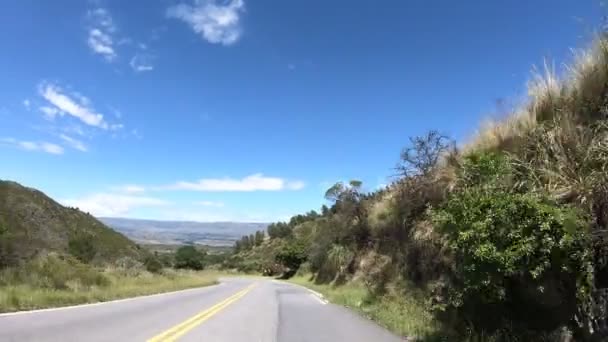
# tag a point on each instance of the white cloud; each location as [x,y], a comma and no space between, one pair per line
[106,204]
[255,182]
[50,112]
[142,62]
[130,189]
[42,146]
[100,38]
[216,22]
[74,143]
[78,108]
[210,204]
[27,104]
[116,127]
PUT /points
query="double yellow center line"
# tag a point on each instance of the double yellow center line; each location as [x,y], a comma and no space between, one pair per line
[181,329]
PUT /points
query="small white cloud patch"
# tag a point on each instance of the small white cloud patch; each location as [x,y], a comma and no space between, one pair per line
[76,106]
[42,146]
[216,22]
[210,204]
[142,62]
[100,38]
[74,143]
[108,204]
[255,182]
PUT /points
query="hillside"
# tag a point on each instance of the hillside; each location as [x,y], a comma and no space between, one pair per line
[32,224]
[502,239]
[179,232]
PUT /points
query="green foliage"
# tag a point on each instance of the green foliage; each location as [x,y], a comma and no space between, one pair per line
[279,230]
[189,257]
[8,256]
[259,237]
[153,264]
[82,248]
[54,271]
[519,257]
[291,256]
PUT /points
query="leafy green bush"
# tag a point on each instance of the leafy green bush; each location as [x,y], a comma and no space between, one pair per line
[189,257]
[520,258]
[291,256]
[82,248]
[153,264]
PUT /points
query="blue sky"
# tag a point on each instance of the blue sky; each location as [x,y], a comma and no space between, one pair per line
[248,110]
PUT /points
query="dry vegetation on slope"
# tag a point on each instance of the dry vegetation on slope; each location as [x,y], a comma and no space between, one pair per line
[505,238]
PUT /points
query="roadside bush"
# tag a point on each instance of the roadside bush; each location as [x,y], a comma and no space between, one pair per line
[376,270]
[82,248]
[152,264]
[291,256]
[189,257]
[60,272]
[520,259]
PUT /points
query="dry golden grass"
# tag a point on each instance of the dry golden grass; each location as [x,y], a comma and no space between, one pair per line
[579,94]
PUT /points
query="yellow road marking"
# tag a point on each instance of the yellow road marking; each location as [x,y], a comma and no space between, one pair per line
[172,334]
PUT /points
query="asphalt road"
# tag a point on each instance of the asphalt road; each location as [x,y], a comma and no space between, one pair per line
[238,309]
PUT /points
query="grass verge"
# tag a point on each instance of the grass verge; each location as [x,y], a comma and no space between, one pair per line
[117,285]
[401,314]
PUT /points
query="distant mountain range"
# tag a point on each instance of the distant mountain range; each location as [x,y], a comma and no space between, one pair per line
[180,232]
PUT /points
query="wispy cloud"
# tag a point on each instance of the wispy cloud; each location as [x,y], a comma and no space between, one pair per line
[27,104]
[130,189]
[108,204]
[74,143]
[255,182]
[42,146]
[217,22]
[142,62]
[49,112]
[210,204]
[100,33]
[75,105]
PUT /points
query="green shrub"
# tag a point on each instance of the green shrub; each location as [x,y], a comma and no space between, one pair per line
[82,248]
[189,257]
[59,272]
[520,258]
[152,264]
[291,256]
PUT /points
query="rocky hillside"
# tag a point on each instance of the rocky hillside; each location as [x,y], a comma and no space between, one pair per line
[31,224]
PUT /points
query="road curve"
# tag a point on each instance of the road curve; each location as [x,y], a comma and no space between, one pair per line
[238,309]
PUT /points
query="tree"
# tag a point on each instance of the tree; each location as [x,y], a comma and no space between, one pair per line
[350,214]
[324,210]
[424,153]
[279,230]
[291,256]
[245,243]
[259,237]
[189,257]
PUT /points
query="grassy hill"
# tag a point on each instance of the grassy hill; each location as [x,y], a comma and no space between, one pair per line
[52,256]
[33,224]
